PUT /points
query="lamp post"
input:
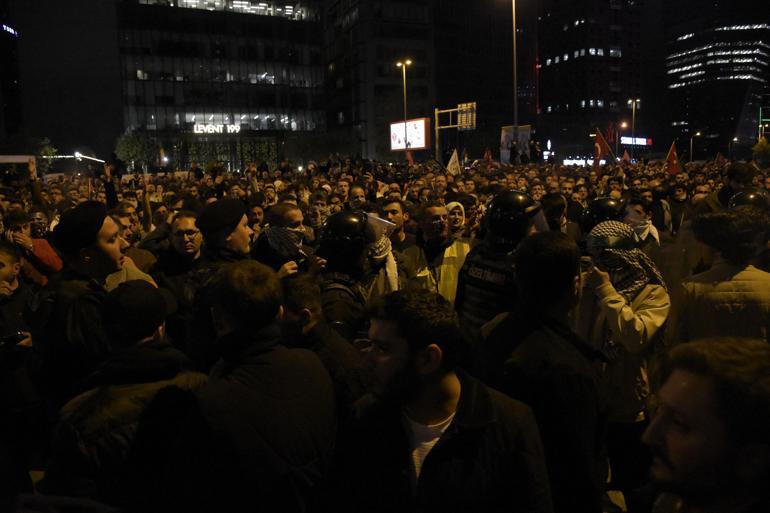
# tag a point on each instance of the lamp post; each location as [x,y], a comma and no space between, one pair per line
[732,147]
[515,84]
[633,102]
[403,65]
[693,136]
[623,125]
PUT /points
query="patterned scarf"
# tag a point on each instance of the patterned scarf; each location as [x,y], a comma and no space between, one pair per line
[380,255]
[629,268]
[287,242]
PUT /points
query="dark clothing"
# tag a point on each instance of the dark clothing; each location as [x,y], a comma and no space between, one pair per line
[680,210]
[486,287]
[97,427]
[553,371]
[157,241]
[343,362]
[264,253]
[489,459]
[201,348]
[409,241]
[344,305]
[265,434]
[68,333]
[170,272]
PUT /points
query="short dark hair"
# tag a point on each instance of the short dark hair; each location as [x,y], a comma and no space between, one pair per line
[301,291]
[638,200]
[546,266]
[432,203]
[731,233]
[276,215]
[740,372]
[8,249]
[554,204]
[249,291]
[422,318]
[184,214]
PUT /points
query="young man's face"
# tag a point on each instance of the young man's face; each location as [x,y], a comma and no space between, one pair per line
[390,362]
[395,215]
[185,237]
[9,270]
[435,223]
[107,256]
[357,197]
[239,240]
[689,441]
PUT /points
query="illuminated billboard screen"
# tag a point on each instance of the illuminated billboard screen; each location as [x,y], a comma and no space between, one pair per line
[416,137]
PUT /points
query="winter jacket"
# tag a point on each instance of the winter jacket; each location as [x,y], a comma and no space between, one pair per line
[628,335]
[97,428]
[265,433]
[440,274]
[489,459]
[726,300]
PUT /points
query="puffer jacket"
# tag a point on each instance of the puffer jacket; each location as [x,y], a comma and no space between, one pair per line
[628,335]
[98,427]
[726,300]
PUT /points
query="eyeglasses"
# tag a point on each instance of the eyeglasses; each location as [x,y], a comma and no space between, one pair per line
[183,234]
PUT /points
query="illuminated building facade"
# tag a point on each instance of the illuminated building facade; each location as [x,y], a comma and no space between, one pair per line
[10,105]
[718,69]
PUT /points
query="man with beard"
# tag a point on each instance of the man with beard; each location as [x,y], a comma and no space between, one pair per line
[437,258]
[710,435]
[397,213]
[143,259]
[432,438]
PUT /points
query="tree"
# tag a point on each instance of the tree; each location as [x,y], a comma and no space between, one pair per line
[761,152]
[45,149]
[136,147]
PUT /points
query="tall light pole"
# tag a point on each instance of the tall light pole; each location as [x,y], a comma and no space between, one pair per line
[623,125]
[732,147]
[403,65]
[633,102]
[515,85]
[693,136]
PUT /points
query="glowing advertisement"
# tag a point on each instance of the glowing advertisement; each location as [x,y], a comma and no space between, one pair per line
[417,136]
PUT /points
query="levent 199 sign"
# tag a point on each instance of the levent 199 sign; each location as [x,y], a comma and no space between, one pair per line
[217,129]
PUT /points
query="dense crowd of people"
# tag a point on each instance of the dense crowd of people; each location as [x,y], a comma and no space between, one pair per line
[363,336]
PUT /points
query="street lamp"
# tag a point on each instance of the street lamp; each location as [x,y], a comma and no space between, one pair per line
[732,147]
[403,65]
[515,84]
[633,102]
[696,134]
[623,125]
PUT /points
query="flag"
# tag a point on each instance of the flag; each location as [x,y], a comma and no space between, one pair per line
[601,148]
[672,160]
[626,157]
[720,160]
[454,165]
[410,158]
[488,155]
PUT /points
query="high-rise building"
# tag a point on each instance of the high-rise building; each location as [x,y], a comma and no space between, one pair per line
[718,69]
[595,56]
[364,41]
[10,107]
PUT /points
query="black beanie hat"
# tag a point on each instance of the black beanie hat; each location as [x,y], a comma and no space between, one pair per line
[79,226]
[220,218]
[135,309]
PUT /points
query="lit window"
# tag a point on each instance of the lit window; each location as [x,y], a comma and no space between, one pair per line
[592,51]
[556,60]
[583,103]
[548,62]
[577,52]
[600,51]
[590,103]
[615,52]
[600,103]
[566,57]
[565,28]
[549,108]
[577,22]
[582,52]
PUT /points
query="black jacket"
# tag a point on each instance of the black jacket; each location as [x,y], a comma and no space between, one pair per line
[554,372]
[343,300]
[97,428]
[265,432]
[264,253]
[343,362]
[490,459]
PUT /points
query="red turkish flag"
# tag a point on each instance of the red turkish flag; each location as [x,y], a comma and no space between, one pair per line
[672,160]
[488,155]
[601,148]
[626,157]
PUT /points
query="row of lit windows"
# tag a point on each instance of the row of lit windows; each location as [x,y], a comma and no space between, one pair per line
[723,78]
[263,119]
[750,44]
[758,26]
[725,53]
[599,52]
[292,11]
[583,104]
[718,62]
